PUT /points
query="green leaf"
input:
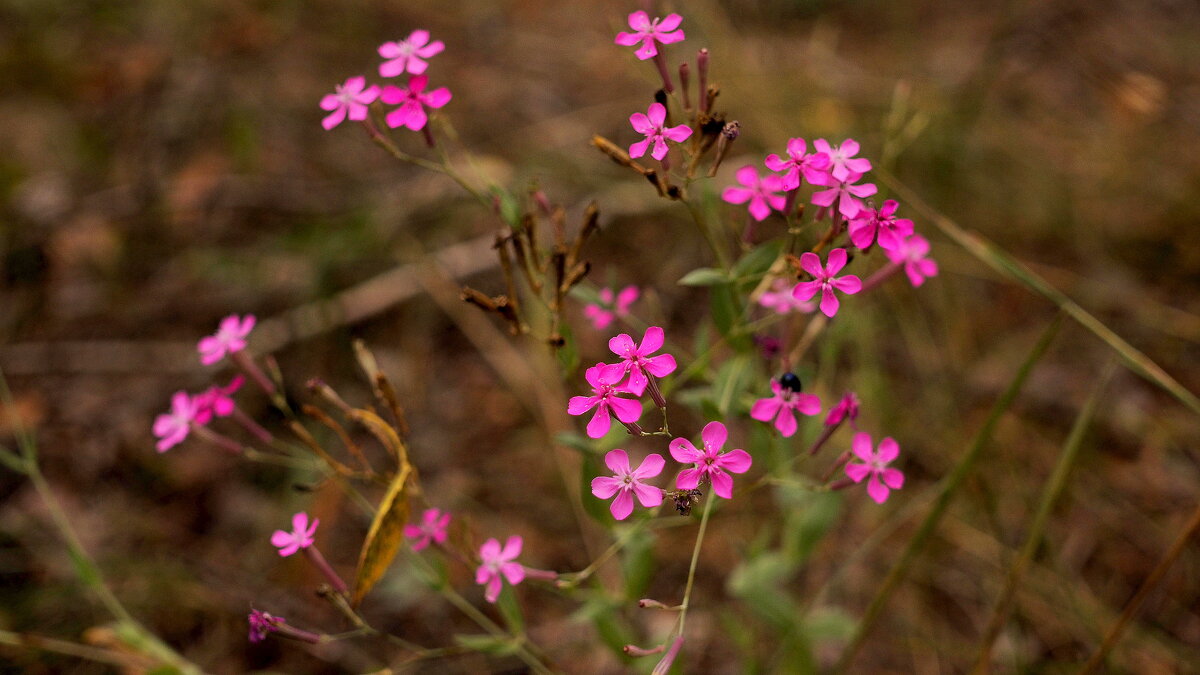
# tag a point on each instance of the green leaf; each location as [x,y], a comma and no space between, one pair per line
[510,208]
[704,276]
[810,516]
[731,382]
[510,609]
[828,624]
[760,581]
[576,441]
[750,269]
[638,564]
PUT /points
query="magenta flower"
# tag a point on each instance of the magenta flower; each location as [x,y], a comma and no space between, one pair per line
[262,623]
[408,55]
[847,408]
[348,100]
[780,299]
[171,428]
[604,398]
[874,464]
[813,166]
[710,463]
[648,32]
[882,223]
[607,311]
[625,483]
[229,338]
[763,194]
[432,529]
[841,158]
[637,360]
[912,253]
[217,401]
[499,563]
[786,399]
[845,193]
[650,125]
[825,281]
[413,102]
[300,537]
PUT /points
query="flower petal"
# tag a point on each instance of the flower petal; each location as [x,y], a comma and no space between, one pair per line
[684,452]
[688,479]
[650,467]
[722,483]
[735,461]
[605,487]
[617,461]
[765,409]
[861,446]
[889,450]
[714,435]
[622,506]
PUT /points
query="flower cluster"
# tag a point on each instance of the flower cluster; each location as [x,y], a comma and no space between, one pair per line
[402,57]
[633,375]
[611,307]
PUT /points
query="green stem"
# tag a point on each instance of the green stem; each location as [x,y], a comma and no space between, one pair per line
[949,488]
[687,591]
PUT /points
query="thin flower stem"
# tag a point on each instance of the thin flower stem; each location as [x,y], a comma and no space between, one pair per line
[1050,496]
[687,591]
[314,556]
[949,488]
[882,274]
[123,660]
[573,580]
[253,427]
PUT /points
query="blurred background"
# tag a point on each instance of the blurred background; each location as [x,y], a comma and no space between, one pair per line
[163,166]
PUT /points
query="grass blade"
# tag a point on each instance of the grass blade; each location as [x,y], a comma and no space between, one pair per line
[1050,495]
[950,487]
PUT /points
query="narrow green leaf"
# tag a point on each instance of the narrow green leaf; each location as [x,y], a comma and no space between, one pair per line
[704,276]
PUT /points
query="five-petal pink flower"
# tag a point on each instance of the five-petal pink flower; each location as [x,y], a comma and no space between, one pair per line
[879,224]
[229,338]
[172,427]
[604,398]
[637,360]
[874,464]
[762,193]
[782,406]
[300,537]
[779,298]
[842,162]
[912,253]
[647,32]
[498,564]
[845,193]
[262,623]
[348,100]
[626,482]
[825,281]
[813,166]
[610,308]
[408,54]
[432,530]
[710,462]
[413,102]
[650,124]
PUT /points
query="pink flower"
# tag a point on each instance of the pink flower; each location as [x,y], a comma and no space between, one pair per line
[710,462]
[174,426]
[413,101]
[874,464]
[650,125]
[625,483]
[813,166]
[229,338]
[912,254]
[824,281]
[408,55]
[647,32]
[637,360]
[300,537]
[787,398]
[217,401]
[780,299]
[604,379]
[432,529]
[348,99]
[497,564]
[763,194]
[262,623]
[841,164]
[882,222]
[847,408]
[845,193]
[601,315]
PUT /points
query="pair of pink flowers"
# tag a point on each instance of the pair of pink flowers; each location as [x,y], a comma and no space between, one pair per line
[611,307]
[709,464]
[187,410]
[639,363]
[350,99]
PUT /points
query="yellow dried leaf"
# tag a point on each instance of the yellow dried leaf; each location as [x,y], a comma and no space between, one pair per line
[385,536]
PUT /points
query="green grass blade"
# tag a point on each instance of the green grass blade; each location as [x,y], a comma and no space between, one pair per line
[950,487]
[1008,266]
[1050,496]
